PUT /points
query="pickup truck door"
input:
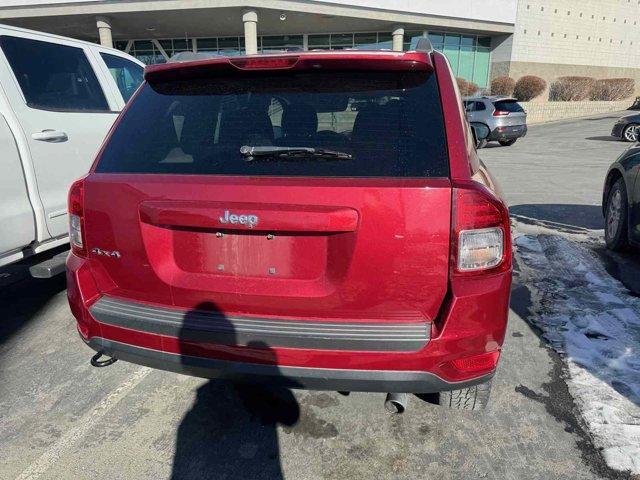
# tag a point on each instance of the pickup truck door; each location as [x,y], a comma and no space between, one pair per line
[64,109]
[16,216]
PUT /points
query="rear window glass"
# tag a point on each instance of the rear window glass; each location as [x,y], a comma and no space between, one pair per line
[508,106]
[381,123]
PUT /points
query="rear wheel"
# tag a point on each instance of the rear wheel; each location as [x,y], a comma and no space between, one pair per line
[472,398]
[482,144]
[615,217]
[631,132]
[507,143]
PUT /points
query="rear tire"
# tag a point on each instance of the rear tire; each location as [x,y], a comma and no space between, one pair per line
[482,144]
[472,398]
[507,143]
[631,132]
[616,217]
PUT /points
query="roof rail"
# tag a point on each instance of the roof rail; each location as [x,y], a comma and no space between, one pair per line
[424,45]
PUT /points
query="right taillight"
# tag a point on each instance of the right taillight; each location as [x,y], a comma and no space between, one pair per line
[480,230]
[76,218]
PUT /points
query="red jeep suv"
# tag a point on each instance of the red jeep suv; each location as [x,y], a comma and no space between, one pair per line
[313,219]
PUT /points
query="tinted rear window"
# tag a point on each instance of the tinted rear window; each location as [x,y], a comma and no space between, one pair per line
[390,122]
[508,106]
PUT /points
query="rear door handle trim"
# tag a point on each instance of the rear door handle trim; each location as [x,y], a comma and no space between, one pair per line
[272,218]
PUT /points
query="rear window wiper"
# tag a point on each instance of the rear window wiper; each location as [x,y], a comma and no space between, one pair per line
[269,152]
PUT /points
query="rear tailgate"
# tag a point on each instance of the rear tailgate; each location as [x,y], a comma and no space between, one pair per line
[371,249]
[199,226]
[510,112]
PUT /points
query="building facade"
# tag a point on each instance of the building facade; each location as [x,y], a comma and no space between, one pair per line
[594,38]
[482,40]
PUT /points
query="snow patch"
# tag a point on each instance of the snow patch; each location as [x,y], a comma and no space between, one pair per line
[589,318]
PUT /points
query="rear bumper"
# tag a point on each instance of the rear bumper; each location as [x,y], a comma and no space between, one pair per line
[508,133]
[291,377]
[472,324]
[215,327]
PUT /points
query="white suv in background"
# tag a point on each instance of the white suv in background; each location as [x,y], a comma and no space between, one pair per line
[505,118]
[58,99]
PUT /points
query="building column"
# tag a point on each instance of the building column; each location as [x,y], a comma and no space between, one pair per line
[250,20]
[104,31]
[398,38]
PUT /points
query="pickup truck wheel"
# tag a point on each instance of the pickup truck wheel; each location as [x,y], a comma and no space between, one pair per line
[615,217]
[507,143]
[472,398]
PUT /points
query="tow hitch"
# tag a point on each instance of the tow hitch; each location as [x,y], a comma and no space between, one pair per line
[96,362]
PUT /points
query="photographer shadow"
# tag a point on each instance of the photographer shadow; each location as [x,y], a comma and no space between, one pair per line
[231,429]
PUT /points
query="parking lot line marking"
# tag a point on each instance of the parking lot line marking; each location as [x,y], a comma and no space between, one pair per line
[83,426]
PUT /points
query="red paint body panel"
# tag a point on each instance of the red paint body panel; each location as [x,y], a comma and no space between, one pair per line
[323,268]
[331,249]
[471,323]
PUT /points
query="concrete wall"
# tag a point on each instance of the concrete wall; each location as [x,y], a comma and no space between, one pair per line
[553,38]
[578,32]
[539,112]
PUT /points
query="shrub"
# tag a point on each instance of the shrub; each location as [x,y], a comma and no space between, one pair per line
[466,87]
[571,89]
[503,86]
[613,89]
[529,87]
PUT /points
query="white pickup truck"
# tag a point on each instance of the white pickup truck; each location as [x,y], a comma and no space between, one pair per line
[58,99]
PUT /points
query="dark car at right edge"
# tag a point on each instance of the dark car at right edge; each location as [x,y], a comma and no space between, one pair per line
[621,201]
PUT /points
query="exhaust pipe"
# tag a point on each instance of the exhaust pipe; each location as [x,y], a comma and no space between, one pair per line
[396,402]
[96,362]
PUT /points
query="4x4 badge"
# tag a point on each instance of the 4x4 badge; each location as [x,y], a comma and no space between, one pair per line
[106,253]
[248,220]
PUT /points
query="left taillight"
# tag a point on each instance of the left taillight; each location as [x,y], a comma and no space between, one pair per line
[76,218]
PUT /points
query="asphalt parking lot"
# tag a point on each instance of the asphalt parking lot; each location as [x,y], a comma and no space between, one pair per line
[60,418]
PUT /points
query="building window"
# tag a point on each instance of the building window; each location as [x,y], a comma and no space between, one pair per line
[361,41]
[146,52]
[469,56]
[207,44]
[365,41]
[279,43]
[176,45]
[319,41]
[230,45]
[411,39]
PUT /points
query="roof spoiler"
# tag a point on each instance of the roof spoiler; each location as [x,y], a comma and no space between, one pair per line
[186,67]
